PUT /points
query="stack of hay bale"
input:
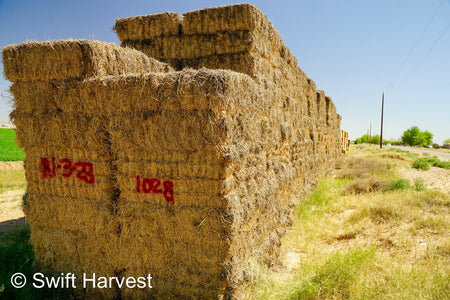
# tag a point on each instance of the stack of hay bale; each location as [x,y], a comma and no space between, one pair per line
[69,166]
[271,149]
[345,142]
[242,39]
[196,171]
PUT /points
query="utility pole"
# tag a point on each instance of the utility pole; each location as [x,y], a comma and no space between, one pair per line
[370,133]
[382,110]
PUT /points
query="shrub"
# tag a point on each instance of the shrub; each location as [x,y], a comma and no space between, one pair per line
[435,162]
[421,164]
[419,184]
[400,184]
[366,184]
[360,167]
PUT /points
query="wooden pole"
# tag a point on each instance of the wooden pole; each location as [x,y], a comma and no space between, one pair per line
[382,110]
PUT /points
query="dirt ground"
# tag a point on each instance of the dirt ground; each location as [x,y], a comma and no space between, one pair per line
[434,178]
[11,165]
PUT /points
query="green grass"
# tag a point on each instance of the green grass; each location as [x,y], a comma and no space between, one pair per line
[421,164]
[335,277]
[399,184]
[419,184]
[9,150]
[435,162]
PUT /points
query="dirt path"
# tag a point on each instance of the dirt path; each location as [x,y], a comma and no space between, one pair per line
[10,205]
[11,165]
[442,155]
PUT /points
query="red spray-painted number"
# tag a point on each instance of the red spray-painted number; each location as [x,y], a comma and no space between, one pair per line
[84,170]
[153,185]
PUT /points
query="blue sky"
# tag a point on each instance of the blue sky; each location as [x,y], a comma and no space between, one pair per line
[354,50]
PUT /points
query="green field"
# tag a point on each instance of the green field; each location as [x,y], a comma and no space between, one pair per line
[9,150]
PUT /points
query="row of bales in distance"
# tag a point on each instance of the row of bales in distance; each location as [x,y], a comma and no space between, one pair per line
[182,158]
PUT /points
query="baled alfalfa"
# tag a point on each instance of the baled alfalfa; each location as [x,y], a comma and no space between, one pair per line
[344,141]
[70,190]
[222,18]
[252,32]
[321,107]
[148,26]
[206,21]
[69,167]
[192,46]
[226,172]
[67,59]
[181,244]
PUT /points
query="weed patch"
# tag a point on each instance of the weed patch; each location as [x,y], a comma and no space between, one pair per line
[399,184]
[419,184]
[335,277]
[435,162]
[354,167]
[366,184]
[421,164]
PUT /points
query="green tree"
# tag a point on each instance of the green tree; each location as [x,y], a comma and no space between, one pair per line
[375,139]
[447,141]
[424,138]
[362,139]
[414,137]
[366,139]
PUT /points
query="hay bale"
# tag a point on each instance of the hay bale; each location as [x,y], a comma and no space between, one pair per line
[223,193]
[216,31]
[70,194]
[65,251]
[148,27]
[345,142]
[67,59]
[187,46]
[71,191]
[223,18]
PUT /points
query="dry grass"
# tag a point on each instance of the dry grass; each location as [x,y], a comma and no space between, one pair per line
[12,180]
[381,244]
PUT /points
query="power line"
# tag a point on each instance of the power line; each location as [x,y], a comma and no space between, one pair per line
[423,32]
[428,53]
[405,60]
[437,41]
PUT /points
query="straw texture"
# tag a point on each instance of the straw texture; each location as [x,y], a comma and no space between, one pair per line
[69,166]
[72,59]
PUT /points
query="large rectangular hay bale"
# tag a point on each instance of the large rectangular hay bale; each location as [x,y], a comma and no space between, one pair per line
[70,202]
[183,210]
[148,26]
[222,18]
[67,59]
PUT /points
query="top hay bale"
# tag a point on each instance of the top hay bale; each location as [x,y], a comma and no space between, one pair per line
[234,37]
[148,27]
[73,59]
[223,18]
[204,21]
